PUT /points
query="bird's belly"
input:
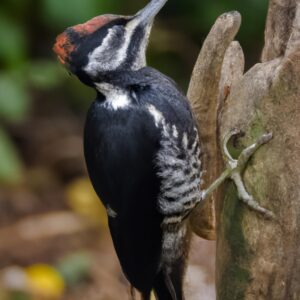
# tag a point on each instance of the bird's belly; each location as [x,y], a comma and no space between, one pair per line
[131,193]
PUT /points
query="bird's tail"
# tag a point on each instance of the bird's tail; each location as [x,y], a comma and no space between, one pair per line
[168,284]
[164,288]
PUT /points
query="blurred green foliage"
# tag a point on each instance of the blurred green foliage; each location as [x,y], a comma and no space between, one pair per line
[74,268]
[10,168]
[29,68]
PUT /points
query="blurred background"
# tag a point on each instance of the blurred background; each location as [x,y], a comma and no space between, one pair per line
[54,241]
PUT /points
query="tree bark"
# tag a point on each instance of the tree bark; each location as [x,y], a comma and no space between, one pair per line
[203,94]
[259,258]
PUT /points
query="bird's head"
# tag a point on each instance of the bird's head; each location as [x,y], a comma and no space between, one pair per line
[107,43]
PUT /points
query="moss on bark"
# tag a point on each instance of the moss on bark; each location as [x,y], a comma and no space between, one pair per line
[235,272]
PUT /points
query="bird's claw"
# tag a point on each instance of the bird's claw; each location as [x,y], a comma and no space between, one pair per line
[237,166]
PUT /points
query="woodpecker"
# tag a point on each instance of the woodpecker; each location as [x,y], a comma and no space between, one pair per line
[141,146]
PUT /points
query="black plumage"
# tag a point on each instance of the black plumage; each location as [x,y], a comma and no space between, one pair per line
[121,149]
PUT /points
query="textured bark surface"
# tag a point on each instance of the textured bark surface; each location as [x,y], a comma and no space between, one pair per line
[256,258]
[278,28]
[203,94]
[259,258]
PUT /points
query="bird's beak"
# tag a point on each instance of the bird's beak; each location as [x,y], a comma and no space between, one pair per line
[148,13]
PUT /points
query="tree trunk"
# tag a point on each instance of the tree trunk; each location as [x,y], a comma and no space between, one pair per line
[259,258]
[203,94]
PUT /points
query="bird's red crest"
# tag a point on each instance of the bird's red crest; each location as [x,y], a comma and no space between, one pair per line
[64,47]
[93,24]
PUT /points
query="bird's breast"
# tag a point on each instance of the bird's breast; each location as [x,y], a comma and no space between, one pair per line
[120,147]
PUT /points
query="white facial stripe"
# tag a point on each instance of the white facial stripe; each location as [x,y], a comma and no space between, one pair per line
[113,61]
[116,98]
[140,61]
[94,65]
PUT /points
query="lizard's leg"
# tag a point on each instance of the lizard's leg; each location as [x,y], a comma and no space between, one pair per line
[235,168]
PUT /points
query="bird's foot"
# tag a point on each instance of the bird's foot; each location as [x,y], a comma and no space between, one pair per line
[235,168]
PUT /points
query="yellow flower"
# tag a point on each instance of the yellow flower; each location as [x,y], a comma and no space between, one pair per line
[152,296]
[82,199]
[45,282]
